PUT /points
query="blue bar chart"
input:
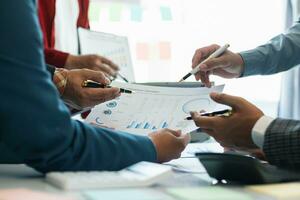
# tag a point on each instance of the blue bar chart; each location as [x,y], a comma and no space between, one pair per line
[147,125]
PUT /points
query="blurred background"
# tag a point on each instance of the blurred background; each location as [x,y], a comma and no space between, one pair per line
[164,34]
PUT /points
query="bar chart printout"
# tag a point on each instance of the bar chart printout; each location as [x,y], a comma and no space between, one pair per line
[152,108]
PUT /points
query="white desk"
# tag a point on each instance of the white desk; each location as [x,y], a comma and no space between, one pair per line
[21,176]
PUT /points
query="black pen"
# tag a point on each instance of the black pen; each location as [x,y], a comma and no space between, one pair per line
[226,112]
[94,84]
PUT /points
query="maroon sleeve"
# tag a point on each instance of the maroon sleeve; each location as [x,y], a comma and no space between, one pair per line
[46,12]
[55,57]
[83,19]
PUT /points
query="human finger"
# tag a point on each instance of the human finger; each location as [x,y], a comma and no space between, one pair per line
[203,122]
[110,63]
[203,53]
[229,100]
[95,76]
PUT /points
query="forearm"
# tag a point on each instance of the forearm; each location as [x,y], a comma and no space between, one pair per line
[279,54]
[55,57]
[36,126]
[282,143]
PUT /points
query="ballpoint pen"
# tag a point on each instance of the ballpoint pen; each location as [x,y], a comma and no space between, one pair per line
[94,84]
[216,54]
[226,112]
[122,77]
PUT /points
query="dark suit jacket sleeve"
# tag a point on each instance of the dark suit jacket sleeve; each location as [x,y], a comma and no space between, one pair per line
[35,124]
[282,143]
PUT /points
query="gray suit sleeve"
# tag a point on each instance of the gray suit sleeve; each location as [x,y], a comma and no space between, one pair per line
[282,143]
[279,54]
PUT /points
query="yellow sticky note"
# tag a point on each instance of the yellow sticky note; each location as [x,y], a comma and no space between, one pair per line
[284,191]
[142,51]
[165,50]
[115,12]
[94,12]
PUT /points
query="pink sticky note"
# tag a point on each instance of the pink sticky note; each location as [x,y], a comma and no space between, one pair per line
[142,51]
[20,194]
[165,50]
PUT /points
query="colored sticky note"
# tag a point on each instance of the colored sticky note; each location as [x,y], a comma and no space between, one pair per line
[29,194]
[166,13]
[165,50]
[207,193]
[125,194]
[115,12]
[94,12]
[142,51]
[278,191]
[136,13]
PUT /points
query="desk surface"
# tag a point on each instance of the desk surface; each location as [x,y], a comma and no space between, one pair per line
[21,176]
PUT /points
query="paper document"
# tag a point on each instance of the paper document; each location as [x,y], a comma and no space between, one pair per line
[110,46]
[151,108]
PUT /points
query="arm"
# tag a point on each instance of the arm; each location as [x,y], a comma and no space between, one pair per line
[55,57]
[36,126]
[281,143]
[248,129]
[279,54]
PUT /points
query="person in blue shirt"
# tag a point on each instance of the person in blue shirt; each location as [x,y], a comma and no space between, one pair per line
[36,127]
[248,128]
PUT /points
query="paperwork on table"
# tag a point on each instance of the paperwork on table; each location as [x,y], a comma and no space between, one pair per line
[151,108]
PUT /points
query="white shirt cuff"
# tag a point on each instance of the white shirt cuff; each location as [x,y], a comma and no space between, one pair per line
[259,130]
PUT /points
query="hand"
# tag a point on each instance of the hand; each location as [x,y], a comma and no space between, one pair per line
[233,131]
[94,62]
[228,65]
[78,97]
[169,144]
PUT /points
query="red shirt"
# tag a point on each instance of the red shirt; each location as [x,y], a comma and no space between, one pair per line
[46,12]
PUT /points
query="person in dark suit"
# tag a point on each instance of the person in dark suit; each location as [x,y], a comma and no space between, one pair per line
[248,128]
[36,127]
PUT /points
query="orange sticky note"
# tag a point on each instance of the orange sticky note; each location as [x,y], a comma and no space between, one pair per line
[165,50]
[142,51]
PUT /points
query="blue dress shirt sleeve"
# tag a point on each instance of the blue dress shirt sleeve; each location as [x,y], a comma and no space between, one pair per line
[279,54]
[35,124]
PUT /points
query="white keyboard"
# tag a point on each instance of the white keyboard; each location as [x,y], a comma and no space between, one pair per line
[139,175]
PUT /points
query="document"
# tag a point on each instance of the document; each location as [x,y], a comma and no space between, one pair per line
[110,46]
[151,108]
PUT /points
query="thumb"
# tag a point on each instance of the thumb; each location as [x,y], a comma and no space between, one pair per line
[96,76]
[225,99]
[186,138]
[176,133]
